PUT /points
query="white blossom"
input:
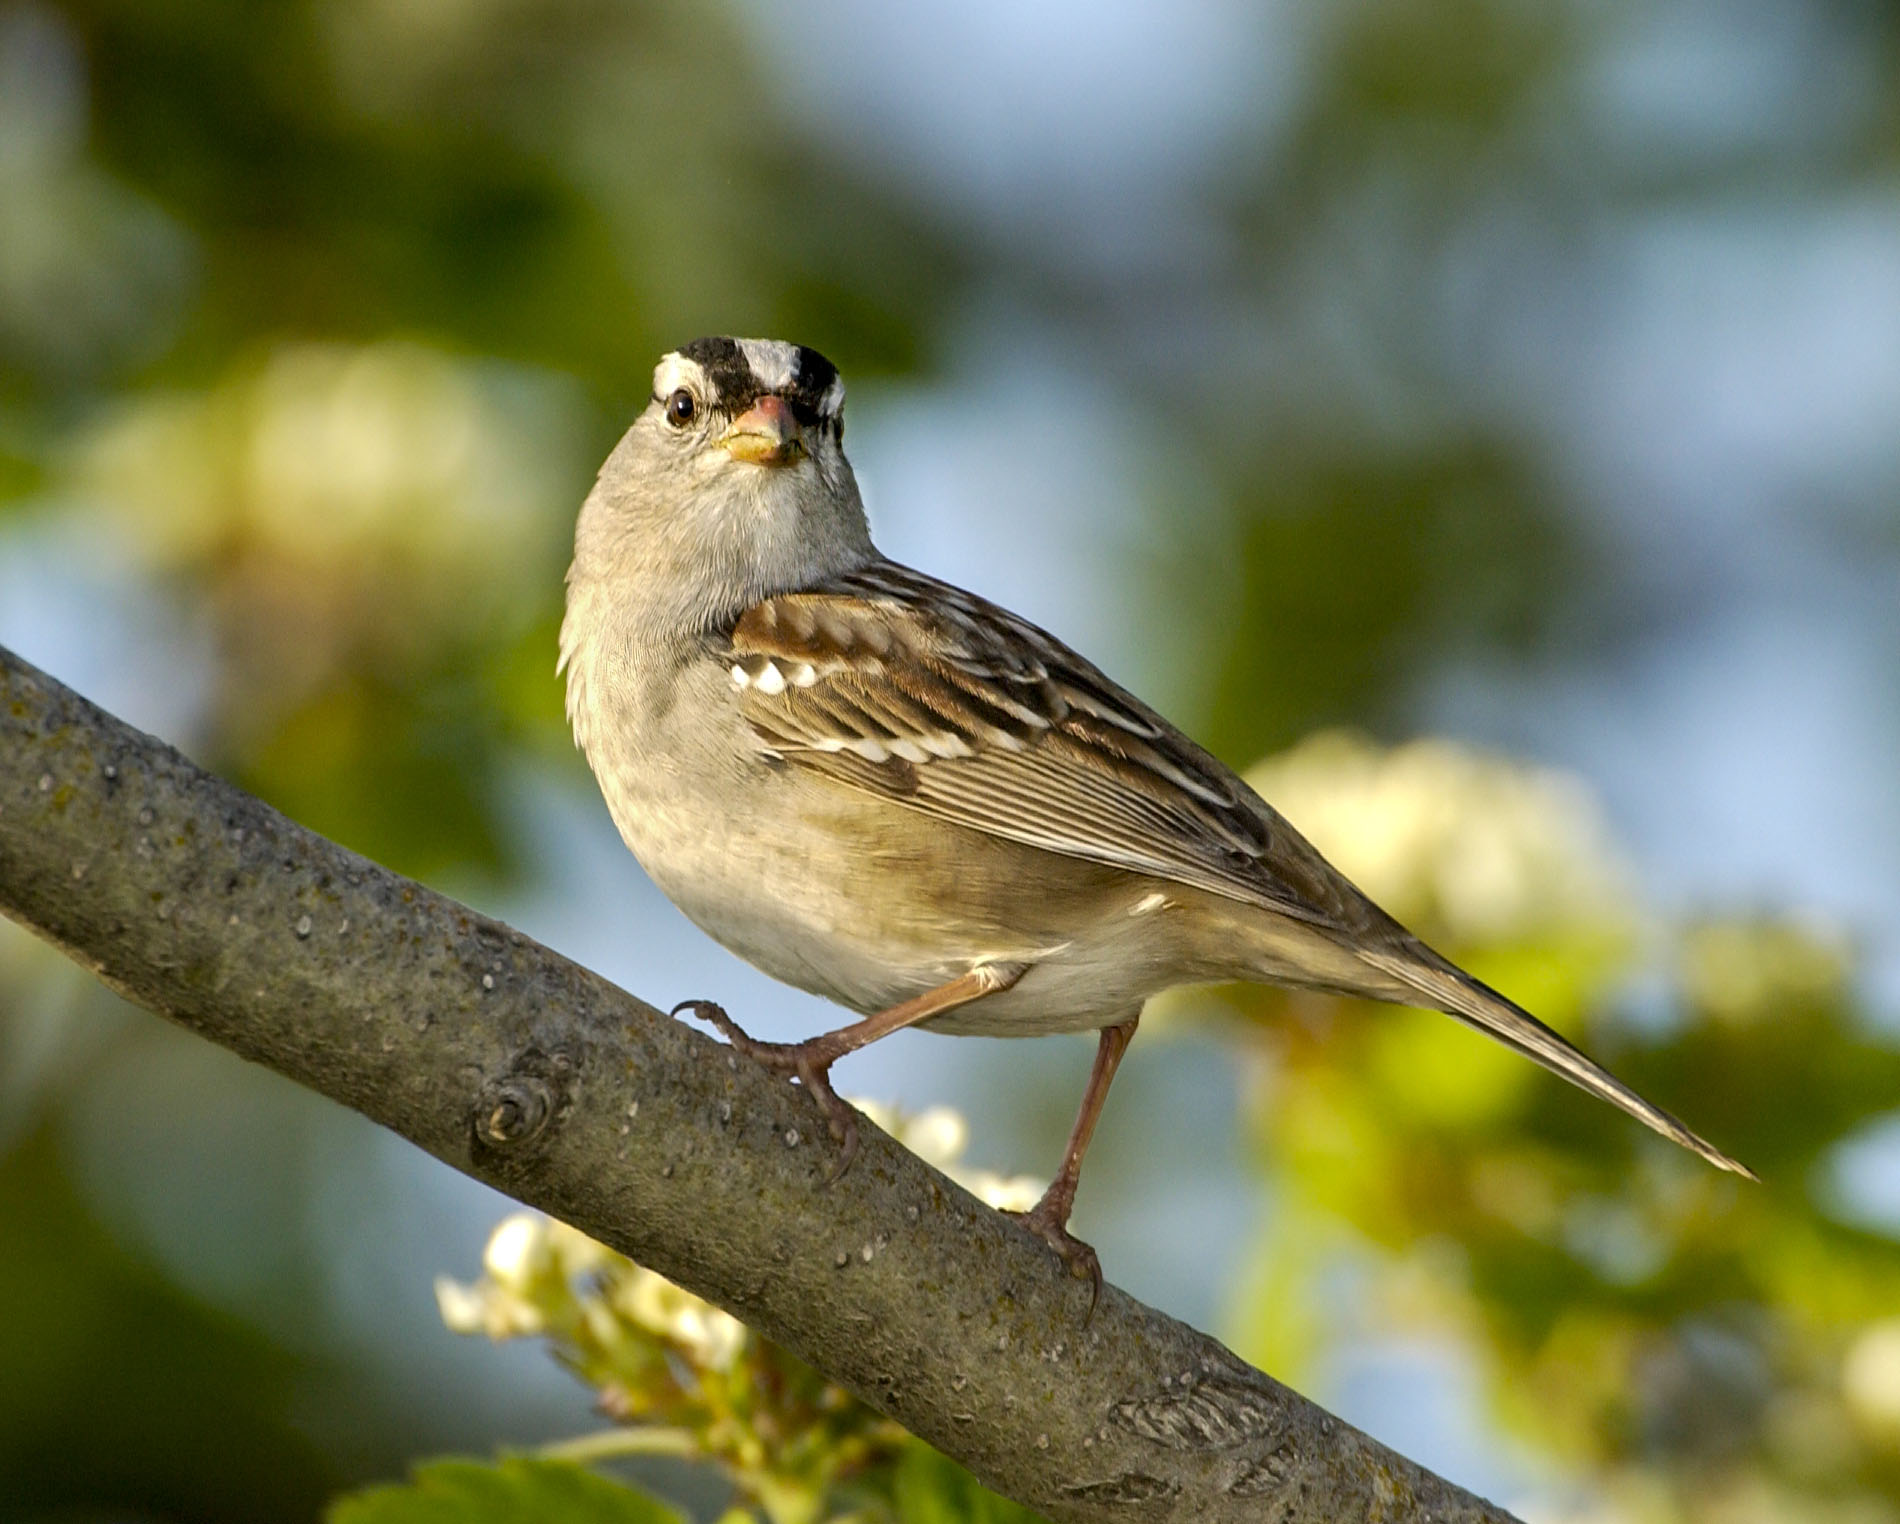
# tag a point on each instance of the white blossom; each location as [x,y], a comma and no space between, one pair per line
[1870,1378]
[1487,849]
[938,1135]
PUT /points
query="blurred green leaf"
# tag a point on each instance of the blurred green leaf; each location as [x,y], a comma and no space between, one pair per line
[124,1396]
[514,1490]
[929,1488]
[1357,572]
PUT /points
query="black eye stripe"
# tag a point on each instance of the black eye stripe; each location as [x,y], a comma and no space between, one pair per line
[808,416]
[730,386]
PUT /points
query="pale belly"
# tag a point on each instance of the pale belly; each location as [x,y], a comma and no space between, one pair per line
[812,885]
[855,898]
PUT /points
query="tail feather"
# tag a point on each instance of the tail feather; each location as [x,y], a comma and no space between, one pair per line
[1456,993]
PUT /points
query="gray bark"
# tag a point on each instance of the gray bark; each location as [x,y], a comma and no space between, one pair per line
[520,1068]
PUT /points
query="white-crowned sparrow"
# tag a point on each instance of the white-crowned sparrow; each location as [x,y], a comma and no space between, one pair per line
[886,790]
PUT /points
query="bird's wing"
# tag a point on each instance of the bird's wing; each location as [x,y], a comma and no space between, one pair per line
[895,683]
[904,686]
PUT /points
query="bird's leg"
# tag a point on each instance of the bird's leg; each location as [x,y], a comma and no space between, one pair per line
[1048,1219]
[810,1061]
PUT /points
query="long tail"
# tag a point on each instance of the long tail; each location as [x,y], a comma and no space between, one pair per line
[1451,990]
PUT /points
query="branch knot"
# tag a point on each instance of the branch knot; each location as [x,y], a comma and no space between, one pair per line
[515,1108]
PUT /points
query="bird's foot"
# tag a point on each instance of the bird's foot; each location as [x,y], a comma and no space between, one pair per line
[1048,1219]
[808,1062]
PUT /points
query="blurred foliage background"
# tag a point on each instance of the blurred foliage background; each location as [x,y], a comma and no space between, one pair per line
[1519,373]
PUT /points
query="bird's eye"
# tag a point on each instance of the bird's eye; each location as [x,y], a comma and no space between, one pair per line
[680,408]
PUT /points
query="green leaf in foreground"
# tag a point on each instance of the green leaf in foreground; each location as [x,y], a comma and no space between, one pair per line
[516,1490]
[929,1488]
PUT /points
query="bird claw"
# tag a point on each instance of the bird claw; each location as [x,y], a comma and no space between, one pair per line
[1078,1259]
[713,1014]
[808,1062]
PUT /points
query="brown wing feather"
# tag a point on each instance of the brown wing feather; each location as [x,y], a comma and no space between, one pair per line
[893,682]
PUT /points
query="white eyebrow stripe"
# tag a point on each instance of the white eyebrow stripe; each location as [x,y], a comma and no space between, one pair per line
[775,363]
[833,398]
[675,371]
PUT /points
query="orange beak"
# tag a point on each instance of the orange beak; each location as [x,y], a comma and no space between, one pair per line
[766,434]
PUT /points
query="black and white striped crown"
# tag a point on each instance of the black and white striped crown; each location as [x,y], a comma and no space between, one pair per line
[737,372]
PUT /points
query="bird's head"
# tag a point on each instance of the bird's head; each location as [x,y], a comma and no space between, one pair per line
[733,482]
[721,406]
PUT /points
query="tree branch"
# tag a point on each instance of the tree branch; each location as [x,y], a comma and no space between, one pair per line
[523,1069]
